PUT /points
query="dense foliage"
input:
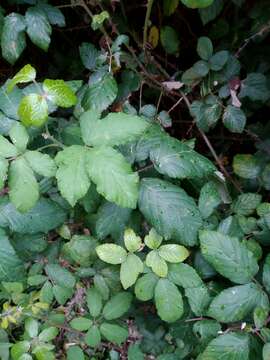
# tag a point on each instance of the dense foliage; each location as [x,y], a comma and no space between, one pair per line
[129,228]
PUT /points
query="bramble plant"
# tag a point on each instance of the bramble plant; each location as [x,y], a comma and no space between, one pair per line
[127,228]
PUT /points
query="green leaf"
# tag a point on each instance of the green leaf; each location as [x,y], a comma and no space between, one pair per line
[7,149]
[3,172]
[211,12]
[26,74]
[115,129]
[19,349]
[178,160]
[24,190]
[114,333]
[169,40]
[134,351]
[100,93]
[169,6]
[130,270]
[80,323]
[82,249]
[246,204]
[209,199]
[93,337]
[234,119]
[205,48]
[89,55]
[13,37]
[54,15]
[42,164]
[246,166]
[12,268]
[43,217]
[19,136]
[228,256]
[38,27]
[170,211]
[156,263]
[266,273]
[98,19]
[113,176]
[33,110]
[153,239]
[94,301]
[46,293]
[111,253]
[168,301]
[132,241]
[48,334]
[58,92]
[227,347]
[31,327]
[75,353]
[145,286]
[266,351]
[72,178]
[173,253]
[235,303]
[218,60]
[117,306]
[60,275]
[255,87]
[194,4]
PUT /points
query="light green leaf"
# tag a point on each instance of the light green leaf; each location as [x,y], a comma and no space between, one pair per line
[156,263]
[38,27]
[228,256]
[153,239]
[115,129]
[72,178]
[24,190]
[235,303]
[266,351]
[94,301]
[33,110]
[98,20]
[173,253]
[75,353]
[19,136]
[60,275]
[194,4]
[92,337]
[170,210]
[59,93]
[145,286]
[132,241]
[169,6]
[114,333]
[169,39]
[111,253]
[26,74]
[100,93]
[232,346]
[168,301]
[130,270]
[48,334]
[31,327]
[13,37]
[42,164]
[209,199]
[113,176]
[205,48]
[246,166]
[80,323]
[7,150]
[234,119]
[12,268]
[117,306]
[19,349]
[3,171]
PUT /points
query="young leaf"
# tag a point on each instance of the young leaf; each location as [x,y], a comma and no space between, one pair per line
[59,93]
[132,241]
[130,270]
[33,110]
[228,256]
[205,48]
[111,253]
[26,74]
[31,327]
[19,136]
[168,301]
[173,253]
[114,333]
[170,210]
[38,27]
[156,263]
[115,129]
[24,190]
[42,164]
[94,301]
[234,119]
[7,149]
[117,306]
[145,286]
[113,176]
[72,179]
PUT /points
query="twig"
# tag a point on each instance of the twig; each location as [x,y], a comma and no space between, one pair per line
[146,21]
